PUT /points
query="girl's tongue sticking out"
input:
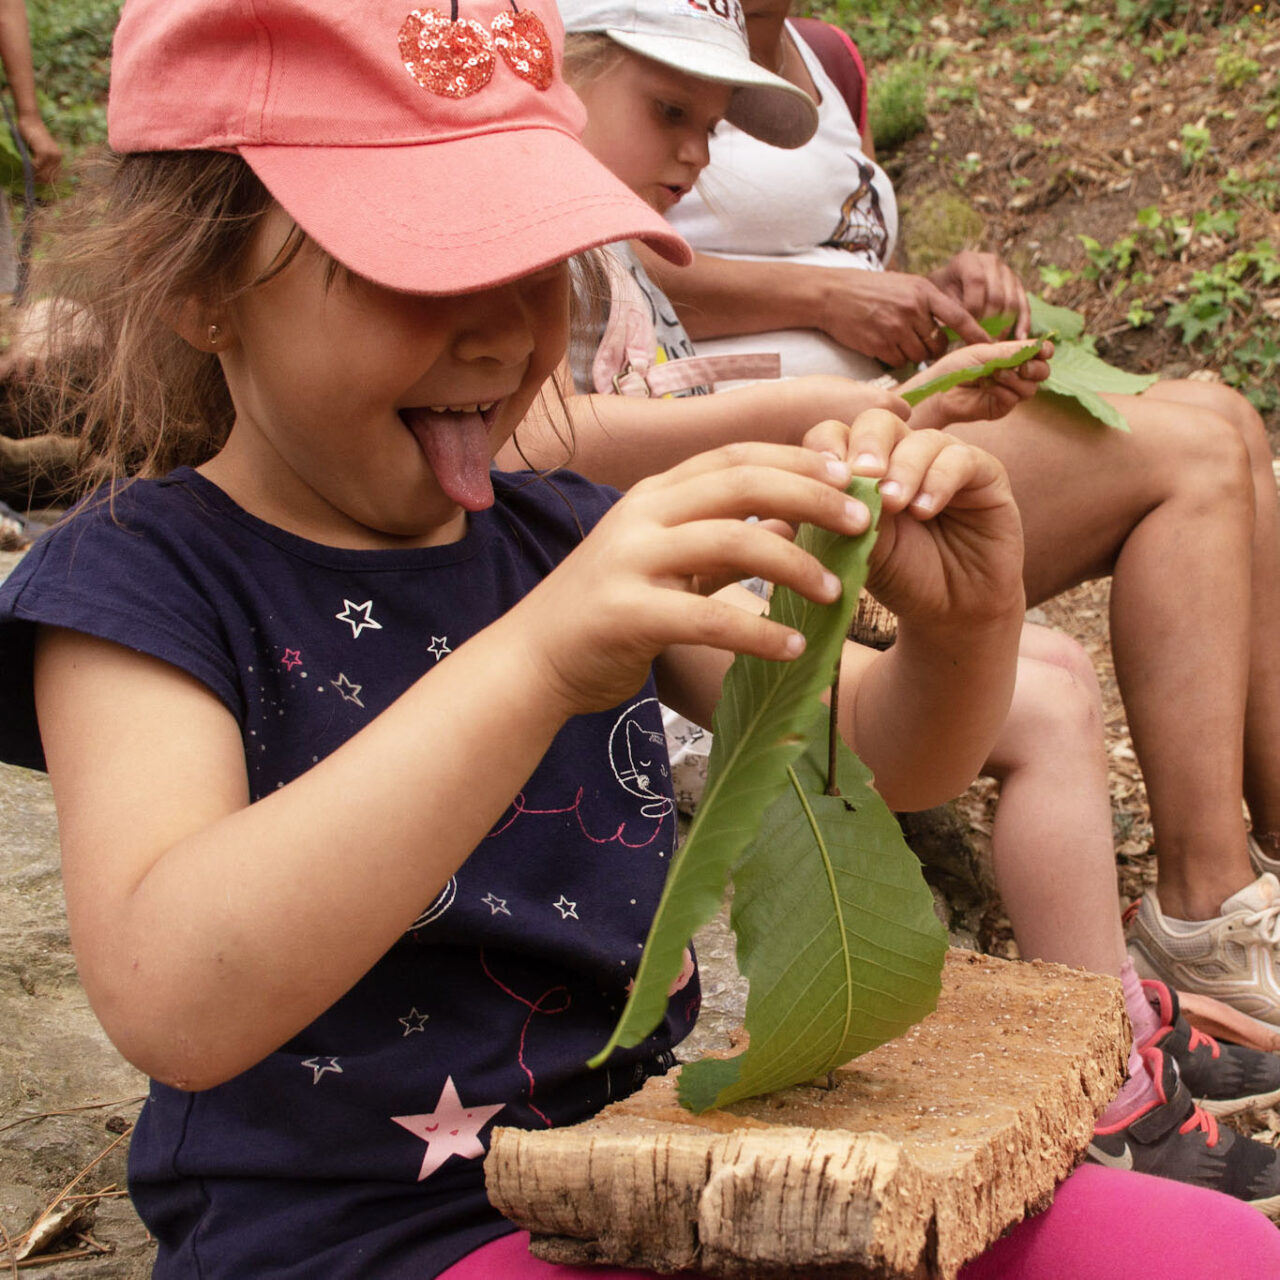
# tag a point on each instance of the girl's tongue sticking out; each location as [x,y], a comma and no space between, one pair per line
[456,442]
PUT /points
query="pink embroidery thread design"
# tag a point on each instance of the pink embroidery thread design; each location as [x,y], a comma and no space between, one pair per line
[534,1007]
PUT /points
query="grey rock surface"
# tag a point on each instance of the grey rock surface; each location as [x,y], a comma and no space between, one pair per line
[66,1095]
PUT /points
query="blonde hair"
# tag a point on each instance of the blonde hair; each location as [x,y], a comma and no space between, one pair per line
[588,55]
[148,234]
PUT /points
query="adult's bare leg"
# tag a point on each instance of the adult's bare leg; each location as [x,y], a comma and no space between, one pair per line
[1262,710]
[1167,509]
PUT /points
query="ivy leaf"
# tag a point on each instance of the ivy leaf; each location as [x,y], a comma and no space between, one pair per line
[973,374]
[836,935]
[761,725]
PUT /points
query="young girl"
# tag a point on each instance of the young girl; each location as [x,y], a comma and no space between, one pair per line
[333,712]
[650,114]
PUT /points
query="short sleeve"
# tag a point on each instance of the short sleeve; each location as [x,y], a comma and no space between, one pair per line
[105,574]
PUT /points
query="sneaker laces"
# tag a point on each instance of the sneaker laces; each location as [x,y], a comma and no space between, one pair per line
[1199,1038]
[1201,1120]
[1266,923]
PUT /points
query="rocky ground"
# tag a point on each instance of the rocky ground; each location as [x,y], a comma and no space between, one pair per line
[1013,159]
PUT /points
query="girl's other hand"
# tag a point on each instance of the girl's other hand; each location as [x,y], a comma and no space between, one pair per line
[641,580]
[985,286]
[950,546]
[985,399]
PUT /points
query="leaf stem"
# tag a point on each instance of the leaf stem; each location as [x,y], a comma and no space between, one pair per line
[833,730]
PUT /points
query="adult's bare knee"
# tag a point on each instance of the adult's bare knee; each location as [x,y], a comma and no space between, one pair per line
[1209,460]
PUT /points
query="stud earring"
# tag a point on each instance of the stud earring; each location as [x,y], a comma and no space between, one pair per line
[214,334]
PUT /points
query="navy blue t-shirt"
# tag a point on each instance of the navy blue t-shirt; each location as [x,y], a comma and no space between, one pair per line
[356,1149]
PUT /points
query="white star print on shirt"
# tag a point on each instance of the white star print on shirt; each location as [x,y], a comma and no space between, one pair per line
[359,617]
[566,908]
[413,1021]
[495,904]
[319,1066]
[438,647]
[450,1130]
[350,692]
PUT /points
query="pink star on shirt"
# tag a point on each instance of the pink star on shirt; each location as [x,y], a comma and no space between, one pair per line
[292,658]
[450,1130]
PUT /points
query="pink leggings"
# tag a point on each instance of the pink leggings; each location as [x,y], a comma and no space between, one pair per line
[1103,1225]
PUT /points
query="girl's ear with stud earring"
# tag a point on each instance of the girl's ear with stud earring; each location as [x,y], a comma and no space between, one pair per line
[191,319]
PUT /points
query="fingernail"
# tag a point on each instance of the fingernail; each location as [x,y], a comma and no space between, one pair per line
[890,489]
[831,585]
[856,512]
[866,460]
[923,502]
[838,472]
[795,644]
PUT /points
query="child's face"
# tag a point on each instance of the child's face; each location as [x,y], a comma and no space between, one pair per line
[650,124]
[367,417]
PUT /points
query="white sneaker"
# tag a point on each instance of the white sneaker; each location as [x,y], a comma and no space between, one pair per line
[1235,958]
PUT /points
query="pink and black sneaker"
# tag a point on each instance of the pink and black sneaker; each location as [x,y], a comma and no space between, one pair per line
[1223,1078]
[1171,1137]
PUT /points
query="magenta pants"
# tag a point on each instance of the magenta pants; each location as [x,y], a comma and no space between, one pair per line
[1103,1225]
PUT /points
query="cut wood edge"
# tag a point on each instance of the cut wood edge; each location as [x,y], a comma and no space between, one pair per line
[804,1183]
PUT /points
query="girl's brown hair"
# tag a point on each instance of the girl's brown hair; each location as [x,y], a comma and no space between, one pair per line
[148,234]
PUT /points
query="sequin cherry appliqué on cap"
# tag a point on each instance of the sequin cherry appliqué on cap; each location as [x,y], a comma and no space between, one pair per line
[525,46]
[453,57]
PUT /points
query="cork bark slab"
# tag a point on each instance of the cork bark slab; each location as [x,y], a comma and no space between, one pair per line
[920,1156]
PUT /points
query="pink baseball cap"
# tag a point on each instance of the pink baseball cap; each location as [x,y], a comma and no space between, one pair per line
[433,152]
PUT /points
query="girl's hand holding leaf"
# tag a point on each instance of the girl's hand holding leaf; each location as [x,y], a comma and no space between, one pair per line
[998,376]
[641,580]
[950,547]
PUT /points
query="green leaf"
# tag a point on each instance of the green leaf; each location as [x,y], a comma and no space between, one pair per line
[10,159]
[973,374]
[1045,317]
[836,935]
[990,325]
[1081,375]
[766,710]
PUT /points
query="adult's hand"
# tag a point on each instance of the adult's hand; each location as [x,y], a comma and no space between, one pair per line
[893,316]
[46,154]
[985,286]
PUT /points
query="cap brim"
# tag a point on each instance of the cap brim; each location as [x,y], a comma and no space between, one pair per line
[462,215]
[764,105]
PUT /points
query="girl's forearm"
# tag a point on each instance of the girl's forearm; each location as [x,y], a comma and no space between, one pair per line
[904,710]
[619,440]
